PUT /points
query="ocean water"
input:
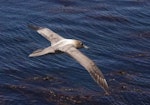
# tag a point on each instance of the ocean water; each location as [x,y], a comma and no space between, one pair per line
[116,31]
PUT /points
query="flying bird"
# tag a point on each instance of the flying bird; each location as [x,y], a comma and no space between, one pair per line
[69,46]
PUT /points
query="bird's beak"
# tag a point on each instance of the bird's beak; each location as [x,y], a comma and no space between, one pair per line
[85,46]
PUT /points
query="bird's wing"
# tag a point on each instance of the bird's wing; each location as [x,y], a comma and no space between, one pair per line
[47,33]
[41,52]
[88,64]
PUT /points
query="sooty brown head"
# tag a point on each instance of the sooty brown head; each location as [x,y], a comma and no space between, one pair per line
[80,44]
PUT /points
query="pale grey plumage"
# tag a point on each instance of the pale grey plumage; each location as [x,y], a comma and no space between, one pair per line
[70,46]
[44,51]
[47,33]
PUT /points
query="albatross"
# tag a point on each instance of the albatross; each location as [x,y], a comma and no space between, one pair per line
[69,46]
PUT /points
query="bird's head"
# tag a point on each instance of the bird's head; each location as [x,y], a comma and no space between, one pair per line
[79,44]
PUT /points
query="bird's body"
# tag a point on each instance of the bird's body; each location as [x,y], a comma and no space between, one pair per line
[69,46]
[65,42]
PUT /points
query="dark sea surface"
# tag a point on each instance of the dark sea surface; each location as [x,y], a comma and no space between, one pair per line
[117,32]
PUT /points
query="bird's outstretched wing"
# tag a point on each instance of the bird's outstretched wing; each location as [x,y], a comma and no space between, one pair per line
[47,33]
[88,64]
[40,52]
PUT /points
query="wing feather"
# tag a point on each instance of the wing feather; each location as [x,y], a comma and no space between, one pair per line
[47,33]
[41,52]
[88,64]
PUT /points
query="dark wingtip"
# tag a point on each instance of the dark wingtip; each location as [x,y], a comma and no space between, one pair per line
[34,27]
